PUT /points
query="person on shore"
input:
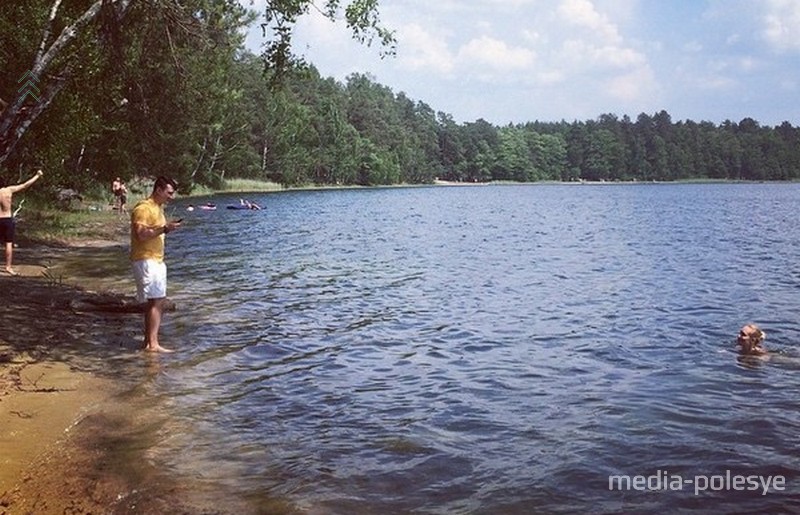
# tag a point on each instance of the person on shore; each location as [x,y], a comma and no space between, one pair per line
[7,225]
[148,227]
[120,195]
[750,340]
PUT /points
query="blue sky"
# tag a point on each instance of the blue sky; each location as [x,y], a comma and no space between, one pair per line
[513,61]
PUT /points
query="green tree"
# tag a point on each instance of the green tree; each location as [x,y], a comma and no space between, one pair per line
[157,49]
[480,150]
[513,156]
[549,156]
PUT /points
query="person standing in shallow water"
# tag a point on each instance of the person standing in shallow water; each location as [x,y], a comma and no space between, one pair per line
[7,225]
[148,228]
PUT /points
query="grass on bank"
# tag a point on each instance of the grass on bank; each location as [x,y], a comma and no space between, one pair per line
[247,186]
[60,227]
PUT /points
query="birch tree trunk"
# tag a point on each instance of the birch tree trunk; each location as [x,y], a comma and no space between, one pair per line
[18,114]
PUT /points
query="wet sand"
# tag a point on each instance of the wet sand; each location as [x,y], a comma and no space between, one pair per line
[78,420]
[52,397]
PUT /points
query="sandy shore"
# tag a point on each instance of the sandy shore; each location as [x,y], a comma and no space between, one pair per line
[76,421]
[52,343]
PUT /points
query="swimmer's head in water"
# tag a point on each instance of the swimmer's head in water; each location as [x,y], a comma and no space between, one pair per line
[750,339]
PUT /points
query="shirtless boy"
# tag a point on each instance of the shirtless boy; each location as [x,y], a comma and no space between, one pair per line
[7,217]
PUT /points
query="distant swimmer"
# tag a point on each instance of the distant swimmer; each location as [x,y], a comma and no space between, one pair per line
[750,341]
[245,204]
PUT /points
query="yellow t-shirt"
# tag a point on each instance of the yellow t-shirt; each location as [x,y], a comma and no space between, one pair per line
[146,212]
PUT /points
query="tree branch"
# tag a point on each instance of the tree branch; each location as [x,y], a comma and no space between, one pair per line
[46,32]
[14,118]
[23,118]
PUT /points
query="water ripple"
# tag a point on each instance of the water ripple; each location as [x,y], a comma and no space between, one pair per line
[487,350]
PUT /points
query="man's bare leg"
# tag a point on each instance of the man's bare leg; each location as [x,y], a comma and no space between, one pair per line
[152,324]
[9,257]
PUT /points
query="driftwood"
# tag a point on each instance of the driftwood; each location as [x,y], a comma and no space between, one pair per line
[109,303]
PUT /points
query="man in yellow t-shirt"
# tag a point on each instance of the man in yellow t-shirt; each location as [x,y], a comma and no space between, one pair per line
[148,227]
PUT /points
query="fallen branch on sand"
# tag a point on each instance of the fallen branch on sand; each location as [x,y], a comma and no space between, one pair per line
[109,303]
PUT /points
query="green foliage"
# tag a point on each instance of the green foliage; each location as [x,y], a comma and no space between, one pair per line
[169,90]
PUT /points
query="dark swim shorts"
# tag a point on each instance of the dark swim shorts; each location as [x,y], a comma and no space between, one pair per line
[6,230]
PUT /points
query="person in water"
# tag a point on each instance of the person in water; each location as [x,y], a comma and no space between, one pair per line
[249,205]
[750,340]
[148,228]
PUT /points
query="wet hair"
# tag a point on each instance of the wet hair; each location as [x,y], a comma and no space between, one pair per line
[753,334]
[750,337]
[162,182]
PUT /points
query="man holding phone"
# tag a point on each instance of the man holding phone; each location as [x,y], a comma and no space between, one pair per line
[148,228]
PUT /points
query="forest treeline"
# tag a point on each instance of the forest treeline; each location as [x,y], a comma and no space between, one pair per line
[169,89]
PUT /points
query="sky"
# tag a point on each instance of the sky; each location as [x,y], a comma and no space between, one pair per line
[517,61]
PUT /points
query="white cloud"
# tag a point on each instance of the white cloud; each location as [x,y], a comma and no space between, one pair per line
[782,24]
[599,48]
[419,49]
[575,58]
[532,36]
[635,86]
[584,55]
[618,57]
[495,54]
[322,30]
[583,14]
[551,77]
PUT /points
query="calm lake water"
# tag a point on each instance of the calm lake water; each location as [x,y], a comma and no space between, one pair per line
[488,349]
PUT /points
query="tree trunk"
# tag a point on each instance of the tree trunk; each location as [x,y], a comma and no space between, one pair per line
[18,115]
[200,158]
[214,157]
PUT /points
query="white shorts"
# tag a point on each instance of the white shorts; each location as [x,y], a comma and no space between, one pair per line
[151,279]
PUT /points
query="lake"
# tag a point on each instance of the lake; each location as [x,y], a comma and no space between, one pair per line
[487,349]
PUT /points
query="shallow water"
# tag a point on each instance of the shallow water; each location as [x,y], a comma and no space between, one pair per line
[494,349]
